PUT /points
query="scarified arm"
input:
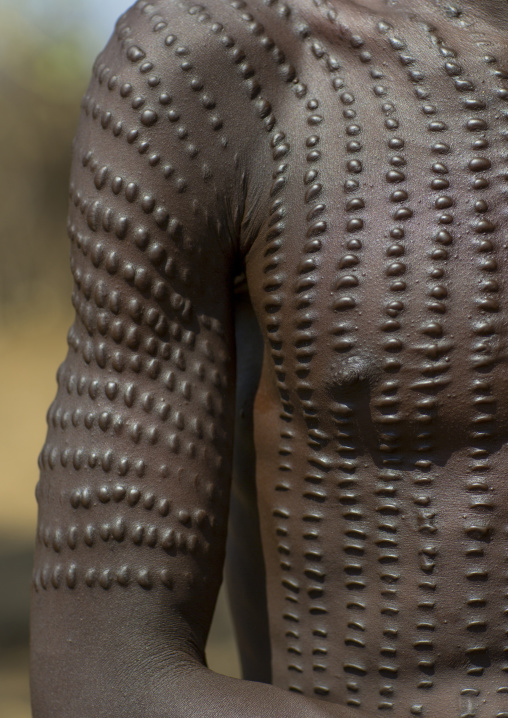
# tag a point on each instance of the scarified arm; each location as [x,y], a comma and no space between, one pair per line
[135,472]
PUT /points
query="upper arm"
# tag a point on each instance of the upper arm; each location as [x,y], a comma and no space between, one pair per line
[135,471]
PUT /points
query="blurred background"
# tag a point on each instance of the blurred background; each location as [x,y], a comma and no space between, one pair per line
[47,48]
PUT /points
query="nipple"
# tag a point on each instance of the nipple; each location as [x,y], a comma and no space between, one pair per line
[350,374]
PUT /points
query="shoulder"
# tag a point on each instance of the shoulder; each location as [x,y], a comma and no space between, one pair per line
[236,48]
[174,95]
[184,38]
[218,88]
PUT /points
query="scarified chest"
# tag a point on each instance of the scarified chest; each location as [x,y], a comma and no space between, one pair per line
[380,288]
[383,262]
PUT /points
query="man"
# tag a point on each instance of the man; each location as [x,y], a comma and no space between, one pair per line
[333,172]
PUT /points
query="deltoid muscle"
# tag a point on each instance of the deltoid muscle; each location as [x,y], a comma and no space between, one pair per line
[351,160]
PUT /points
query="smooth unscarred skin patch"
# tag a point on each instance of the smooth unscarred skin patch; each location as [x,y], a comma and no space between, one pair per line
[288,243]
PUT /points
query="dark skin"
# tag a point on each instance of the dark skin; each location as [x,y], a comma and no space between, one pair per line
[288,237]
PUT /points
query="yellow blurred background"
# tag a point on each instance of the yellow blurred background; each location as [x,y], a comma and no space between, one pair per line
[47,48]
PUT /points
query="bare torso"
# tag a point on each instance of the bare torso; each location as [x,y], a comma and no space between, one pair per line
[381,415]
[350,159]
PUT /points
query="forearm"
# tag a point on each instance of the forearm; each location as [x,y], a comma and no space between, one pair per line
[196,691]
[114,666]
[184,692]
